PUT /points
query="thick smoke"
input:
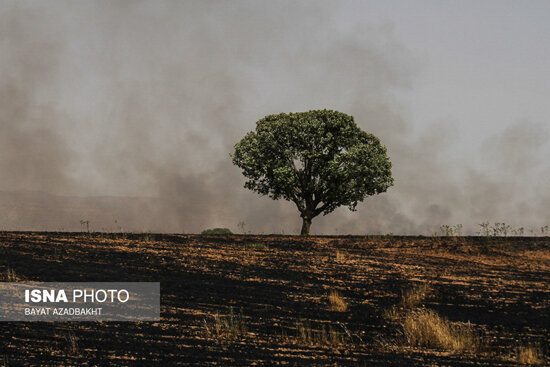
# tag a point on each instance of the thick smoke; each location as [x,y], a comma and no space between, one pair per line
[124,114]
[34,154]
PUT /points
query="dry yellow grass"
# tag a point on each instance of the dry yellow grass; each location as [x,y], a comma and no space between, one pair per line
[415,296]
[392,314]
[8,275]
[324,336]
[336,302]
[529,355]
[256,246]
[411,298]
[231,326]
[425,328]
[71,347]
[340,256]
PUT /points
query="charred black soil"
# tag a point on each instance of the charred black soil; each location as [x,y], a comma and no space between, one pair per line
[264,300]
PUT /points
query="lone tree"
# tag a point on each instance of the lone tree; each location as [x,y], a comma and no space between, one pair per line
[320,160]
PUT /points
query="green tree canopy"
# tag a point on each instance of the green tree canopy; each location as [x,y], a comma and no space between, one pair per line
[320,160]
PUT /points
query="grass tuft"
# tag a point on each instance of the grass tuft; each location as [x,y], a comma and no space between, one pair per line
[256,246]
[323,336]
[529,355]
[415,296]
[411,298]
[230,326]
[71,344]
[392,314]
[9,275]
[425,328]
[337,302]
[340,256]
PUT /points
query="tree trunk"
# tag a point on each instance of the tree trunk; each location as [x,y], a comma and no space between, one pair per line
[305,226]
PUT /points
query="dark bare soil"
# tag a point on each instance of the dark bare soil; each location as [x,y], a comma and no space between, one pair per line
[274,284]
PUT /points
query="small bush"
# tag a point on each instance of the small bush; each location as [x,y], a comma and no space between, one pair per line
[425,328]
[529,355]
[336,302]
[217,231]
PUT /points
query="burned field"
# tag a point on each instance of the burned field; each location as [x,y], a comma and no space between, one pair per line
[242,300]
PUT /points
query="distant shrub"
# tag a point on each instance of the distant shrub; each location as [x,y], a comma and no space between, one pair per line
[217,231]
[256,246]
[149,237]
[447,230]
[500,230]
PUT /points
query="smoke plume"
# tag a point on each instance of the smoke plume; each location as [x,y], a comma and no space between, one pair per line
[124,114]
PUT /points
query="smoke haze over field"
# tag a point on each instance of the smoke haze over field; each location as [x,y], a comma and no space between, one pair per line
[124,113]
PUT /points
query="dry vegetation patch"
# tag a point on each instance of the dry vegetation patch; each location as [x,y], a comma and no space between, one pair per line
[229,326]
[307,335]
[415,296]
[425,328]
[340,256]
[256,246]
[410,299]
[71,344]
[529,355]
[337,302]
[9,275]
[292,281]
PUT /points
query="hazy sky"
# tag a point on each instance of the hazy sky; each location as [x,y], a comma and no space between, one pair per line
[147,98]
